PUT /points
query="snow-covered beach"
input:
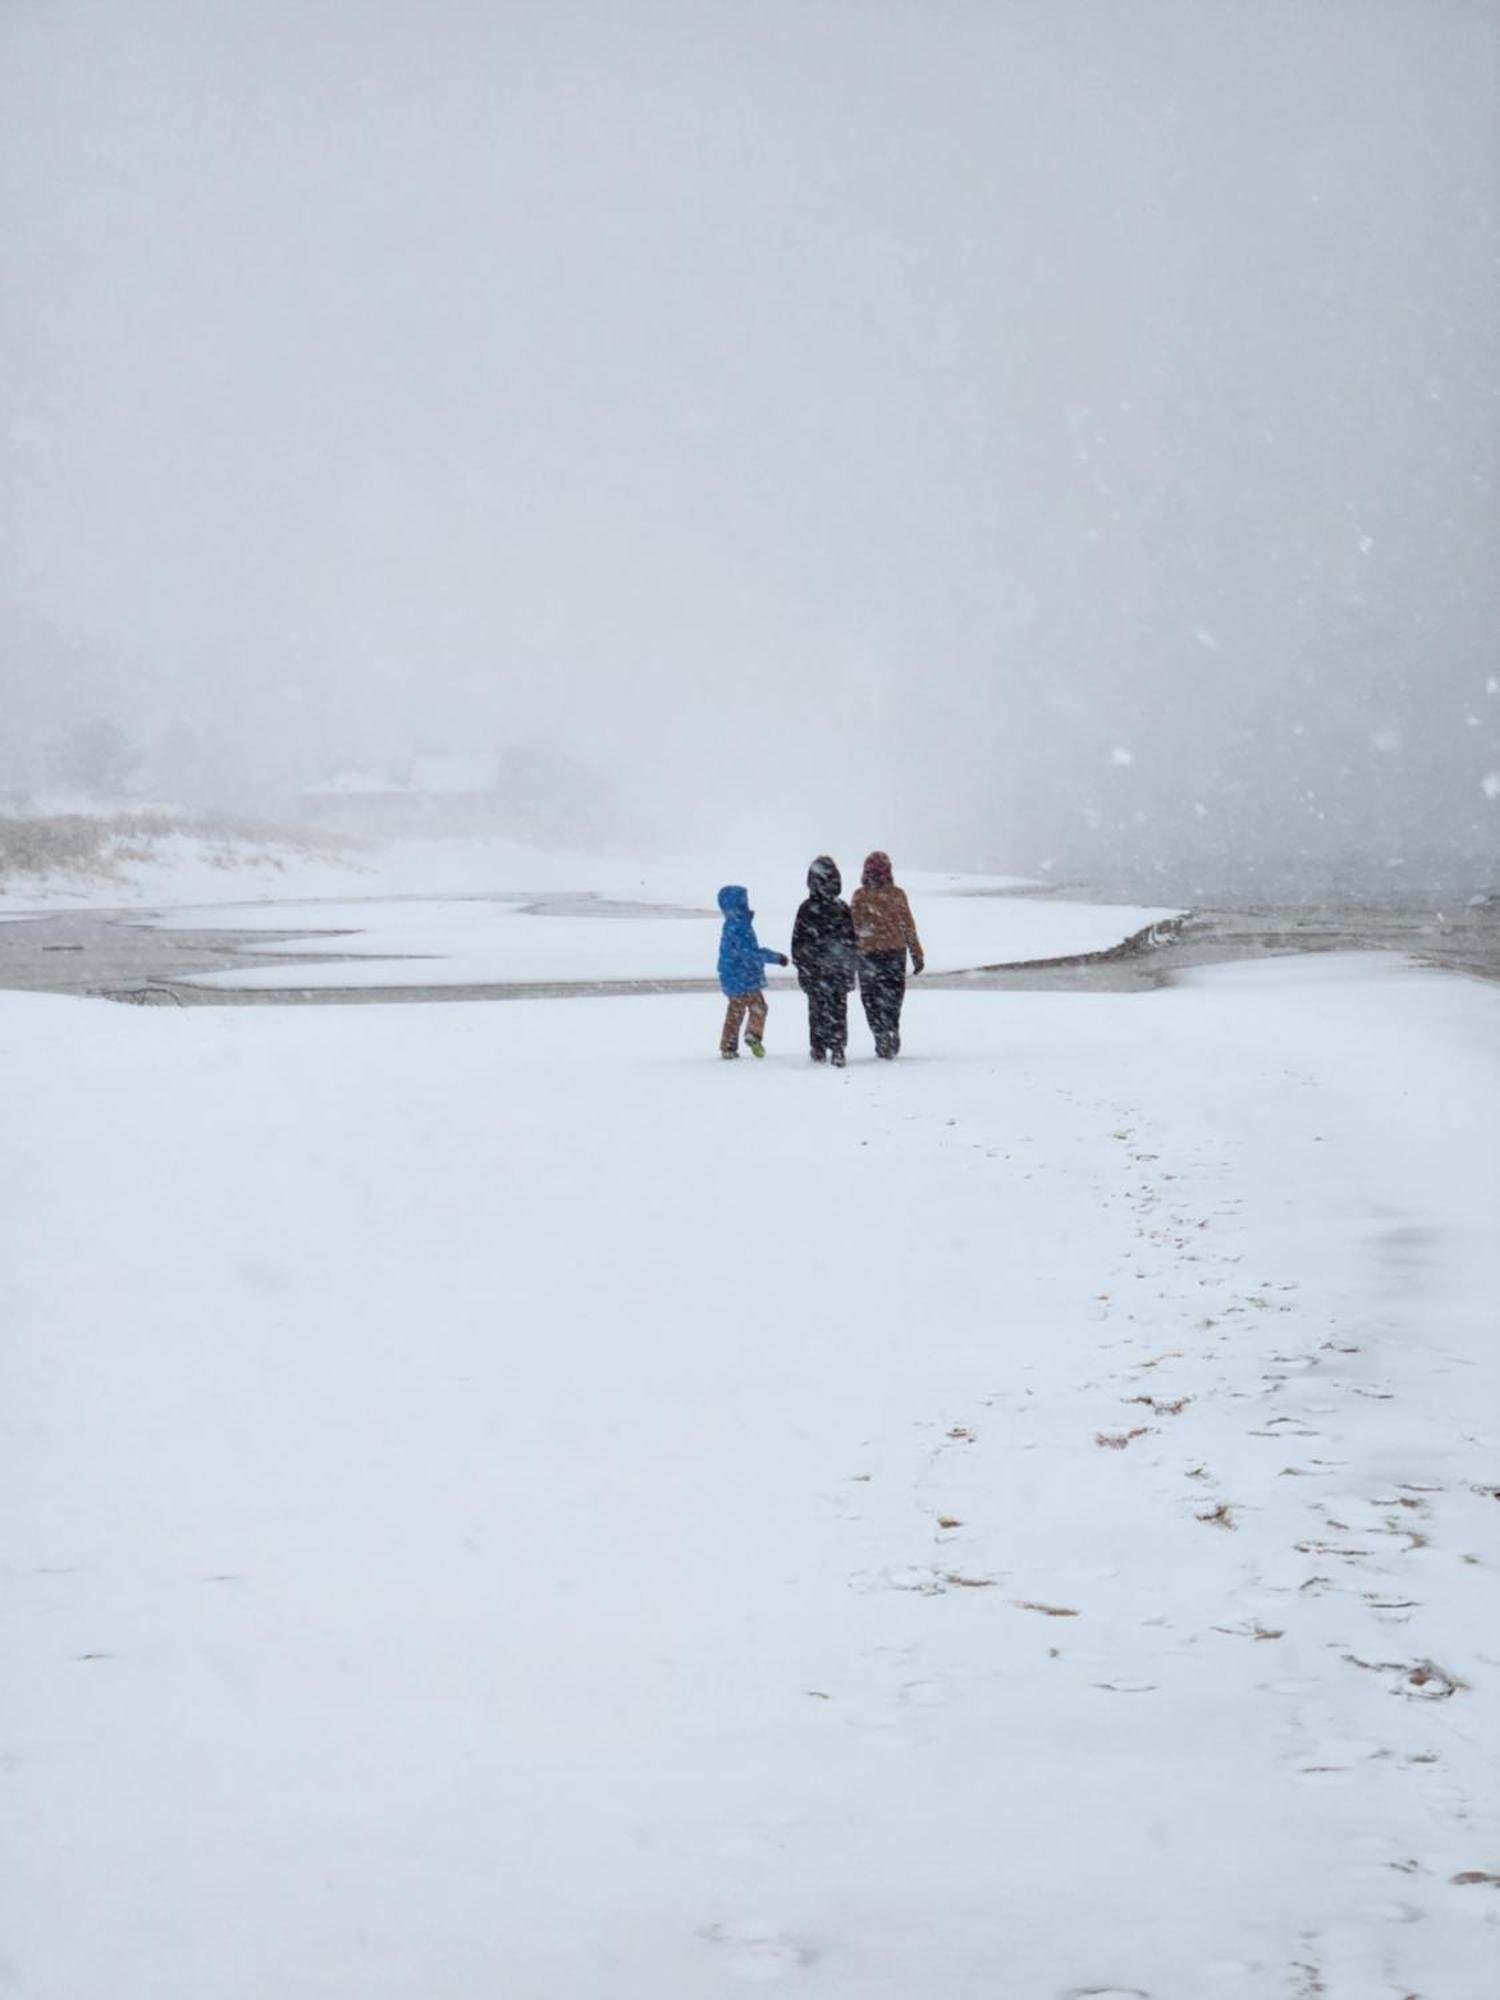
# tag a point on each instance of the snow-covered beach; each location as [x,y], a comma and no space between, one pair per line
[422,942]
[461,914]
[498,1501]
[533,533]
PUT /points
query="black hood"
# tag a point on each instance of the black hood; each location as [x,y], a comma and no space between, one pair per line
[824,879]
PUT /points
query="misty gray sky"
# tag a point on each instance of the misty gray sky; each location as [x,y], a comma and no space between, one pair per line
[1051,428]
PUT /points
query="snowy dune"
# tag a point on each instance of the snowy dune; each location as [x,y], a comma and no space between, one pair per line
[499,1502]
[485,943]
[178,870]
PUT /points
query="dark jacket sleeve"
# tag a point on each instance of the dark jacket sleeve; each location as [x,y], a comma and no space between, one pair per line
[850,949]
[802,937]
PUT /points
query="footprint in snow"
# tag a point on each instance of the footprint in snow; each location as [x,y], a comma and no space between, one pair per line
[922,1694]
[1118,1440]
[757,1952]
[1106,1993]
[1336,1760]
[925,1582]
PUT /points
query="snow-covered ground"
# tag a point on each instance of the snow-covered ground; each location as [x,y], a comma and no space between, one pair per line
[479,912]
[499,1502]
[140,870]
[178,870]
[193,867]
[420,942]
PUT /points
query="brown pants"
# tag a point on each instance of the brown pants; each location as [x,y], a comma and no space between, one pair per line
[742,1003]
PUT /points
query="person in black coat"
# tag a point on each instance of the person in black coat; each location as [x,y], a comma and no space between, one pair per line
[824,954]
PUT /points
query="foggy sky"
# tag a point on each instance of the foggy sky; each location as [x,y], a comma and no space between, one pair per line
[1023,430]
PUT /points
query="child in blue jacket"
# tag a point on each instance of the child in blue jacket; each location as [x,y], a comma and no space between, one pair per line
[742,964]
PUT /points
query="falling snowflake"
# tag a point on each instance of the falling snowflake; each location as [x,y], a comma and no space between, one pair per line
[1122,756]
[1491,783]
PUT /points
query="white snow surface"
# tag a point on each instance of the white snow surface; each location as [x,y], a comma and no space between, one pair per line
[584,936]
[191,868]
[185,869]
[499,1502]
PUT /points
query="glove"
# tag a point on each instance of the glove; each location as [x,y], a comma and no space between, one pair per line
[782,959]
[917,965]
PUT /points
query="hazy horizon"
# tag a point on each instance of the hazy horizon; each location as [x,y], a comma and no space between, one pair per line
[1050,433]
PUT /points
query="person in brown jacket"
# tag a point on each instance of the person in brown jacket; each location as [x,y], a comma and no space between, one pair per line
[884,932]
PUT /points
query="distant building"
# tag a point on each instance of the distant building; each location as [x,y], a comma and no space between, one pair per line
[521,794]
[467,774]
[459,793]
[357,802]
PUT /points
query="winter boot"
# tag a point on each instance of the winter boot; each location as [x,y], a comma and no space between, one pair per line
[757,1049]
[837,1058]
[730,1055]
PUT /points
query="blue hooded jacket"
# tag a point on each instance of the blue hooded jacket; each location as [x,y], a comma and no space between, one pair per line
[742,959]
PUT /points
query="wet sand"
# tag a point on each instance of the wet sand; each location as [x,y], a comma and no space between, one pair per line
[121,955]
